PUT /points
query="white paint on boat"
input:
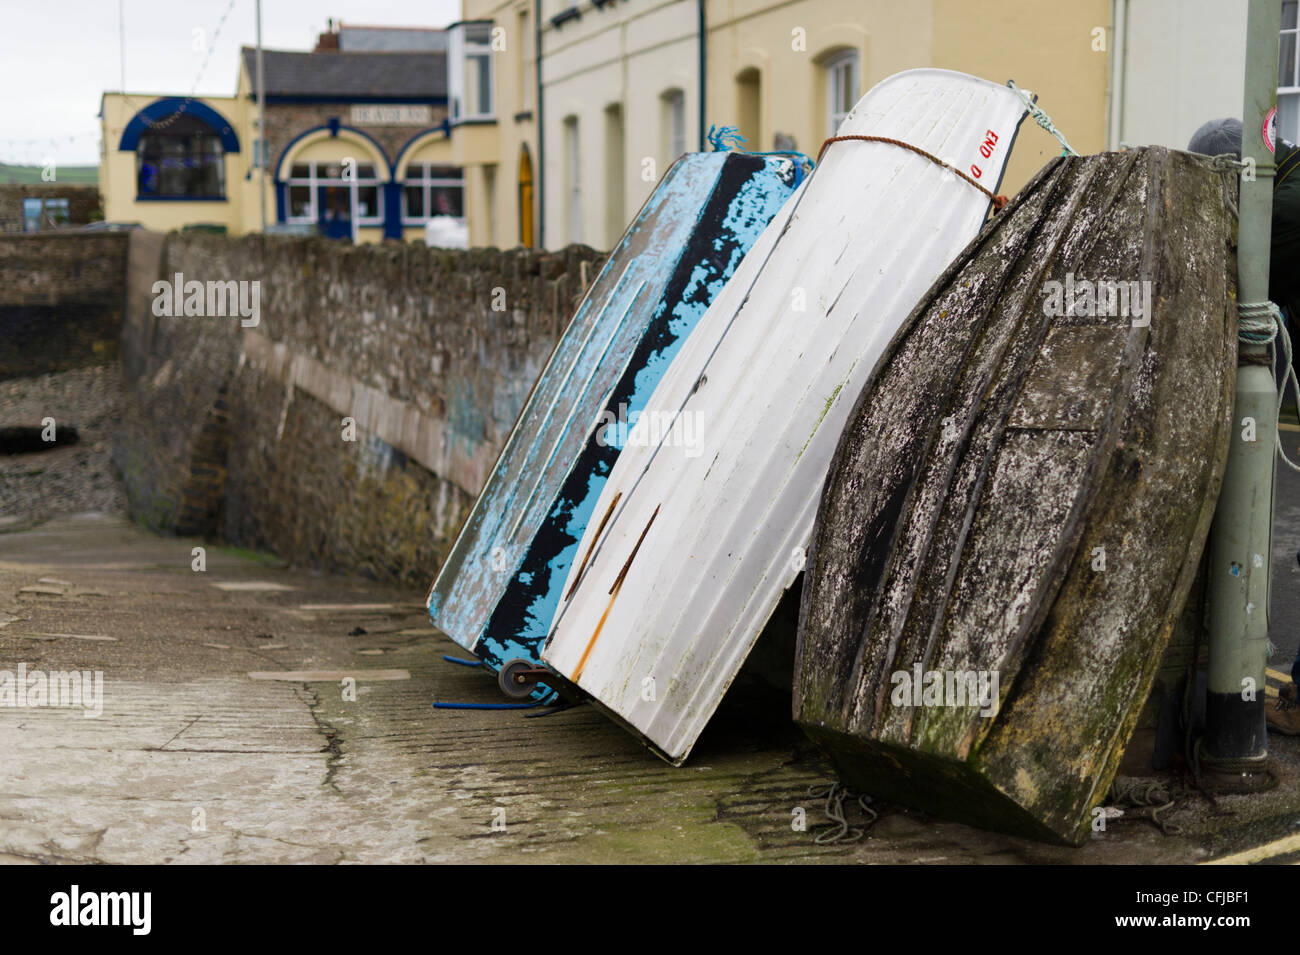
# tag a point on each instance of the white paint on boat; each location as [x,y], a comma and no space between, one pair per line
[700,545]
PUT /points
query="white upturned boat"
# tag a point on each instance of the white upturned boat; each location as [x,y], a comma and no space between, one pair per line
[703,524]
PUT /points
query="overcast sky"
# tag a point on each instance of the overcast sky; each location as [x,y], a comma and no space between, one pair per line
[58,56]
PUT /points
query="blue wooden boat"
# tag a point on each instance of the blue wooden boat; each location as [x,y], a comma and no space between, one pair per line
[501,582]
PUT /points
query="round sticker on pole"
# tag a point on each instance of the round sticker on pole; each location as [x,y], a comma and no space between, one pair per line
[1269,131]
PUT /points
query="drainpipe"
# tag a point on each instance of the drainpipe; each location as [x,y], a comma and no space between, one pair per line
[1235,743]
[1115,95]
[260,150]
[704,59]
[539,177]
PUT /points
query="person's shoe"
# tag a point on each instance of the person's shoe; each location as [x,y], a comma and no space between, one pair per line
[1284,715]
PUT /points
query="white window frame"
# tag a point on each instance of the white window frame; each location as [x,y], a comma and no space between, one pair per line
[1288,87]
[310,184]
[460,49]
[835,67]
[314,179]
[428,181]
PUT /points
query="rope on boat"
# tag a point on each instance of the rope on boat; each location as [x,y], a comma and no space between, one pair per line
[1229,163]
[723,138]
[1041,118]
[1260,323]
[998,201]
[840,831]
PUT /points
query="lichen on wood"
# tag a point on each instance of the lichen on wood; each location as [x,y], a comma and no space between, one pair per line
[1024,490]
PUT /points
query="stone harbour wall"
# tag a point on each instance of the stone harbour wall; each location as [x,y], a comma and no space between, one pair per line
[351,427]
[61,298]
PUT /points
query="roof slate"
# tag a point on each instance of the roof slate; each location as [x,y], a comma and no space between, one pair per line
[365,74]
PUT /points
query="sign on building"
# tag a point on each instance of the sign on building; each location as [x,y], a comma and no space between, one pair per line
[392,116]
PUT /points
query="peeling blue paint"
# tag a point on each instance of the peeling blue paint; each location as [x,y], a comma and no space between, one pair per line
[500,585]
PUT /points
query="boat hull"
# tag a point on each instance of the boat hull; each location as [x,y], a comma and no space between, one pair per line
[1020,499]
[702,537]
[497,589]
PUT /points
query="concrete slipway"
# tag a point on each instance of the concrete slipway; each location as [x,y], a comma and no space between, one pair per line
[287,771]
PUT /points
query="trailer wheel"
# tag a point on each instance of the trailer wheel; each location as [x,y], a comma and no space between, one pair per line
[516,679]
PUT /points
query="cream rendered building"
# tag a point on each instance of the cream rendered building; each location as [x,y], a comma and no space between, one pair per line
[786,72]
[492,84]
[620,102]
[620,83]
[620,80]
[1180,63]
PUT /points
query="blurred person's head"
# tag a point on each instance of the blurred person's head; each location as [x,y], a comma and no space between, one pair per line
[1217,137]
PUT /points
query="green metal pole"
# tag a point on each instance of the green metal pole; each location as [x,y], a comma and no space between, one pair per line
[1236,734]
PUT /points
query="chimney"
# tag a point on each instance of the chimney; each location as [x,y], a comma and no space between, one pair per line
[328,42]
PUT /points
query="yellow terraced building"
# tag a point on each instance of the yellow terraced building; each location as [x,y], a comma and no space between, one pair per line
[492,85]
[379,130]
[621,80]
[567,152]
[785,73]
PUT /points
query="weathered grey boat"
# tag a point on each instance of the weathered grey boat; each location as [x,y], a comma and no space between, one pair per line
[1016,508]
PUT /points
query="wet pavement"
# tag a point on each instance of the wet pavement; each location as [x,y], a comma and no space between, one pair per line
[193,760]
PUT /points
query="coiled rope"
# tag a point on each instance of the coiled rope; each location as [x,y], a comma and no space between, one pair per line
[1260,323]
[998,201]
[1127,792]
[840,831]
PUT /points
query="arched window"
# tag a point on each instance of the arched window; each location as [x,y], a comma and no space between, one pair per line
[615,183]
[525,197]
[749,107]
[673,107]
[573,175]
[841,88]
[180,157]
[328,192]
